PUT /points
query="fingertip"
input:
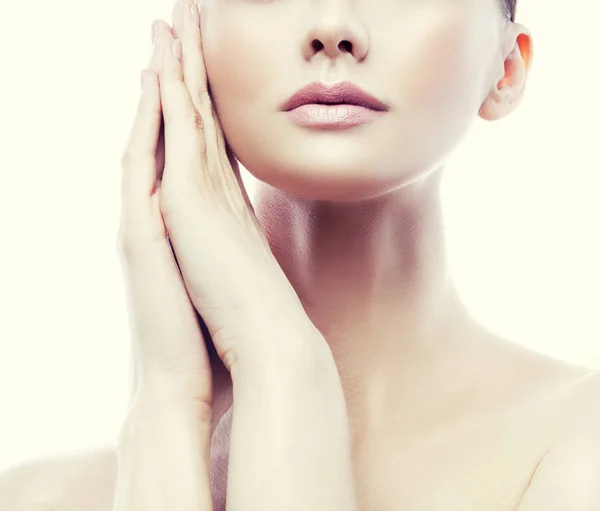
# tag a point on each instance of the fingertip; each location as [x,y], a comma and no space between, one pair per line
[170,63]
[159,25]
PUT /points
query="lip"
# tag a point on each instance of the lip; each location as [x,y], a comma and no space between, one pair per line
[332,117]
[342,93]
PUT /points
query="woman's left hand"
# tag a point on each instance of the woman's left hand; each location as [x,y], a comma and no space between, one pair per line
[289,444]
[250,308]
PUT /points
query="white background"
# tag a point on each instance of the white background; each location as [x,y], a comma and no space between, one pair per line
[521,198]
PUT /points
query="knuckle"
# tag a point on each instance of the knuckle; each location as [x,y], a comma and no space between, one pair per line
[190,119]
[185,119]
[197,120]
[204,98]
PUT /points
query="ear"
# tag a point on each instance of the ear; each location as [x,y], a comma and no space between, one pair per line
[508,86]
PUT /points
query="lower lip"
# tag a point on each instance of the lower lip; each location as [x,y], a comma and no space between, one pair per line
[333,116]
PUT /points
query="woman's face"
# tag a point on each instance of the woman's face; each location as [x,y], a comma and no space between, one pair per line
[432,61]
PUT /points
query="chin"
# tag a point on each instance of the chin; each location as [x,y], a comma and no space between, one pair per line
[327,174]
[352,166]
[339,182]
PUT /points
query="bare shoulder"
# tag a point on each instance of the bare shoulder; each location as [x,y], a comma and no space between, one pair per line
[85,480]
[568,476]
[69,482]
[582,403]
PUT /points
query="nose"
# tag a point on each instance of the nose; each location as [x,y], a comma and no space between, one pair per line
[336,36]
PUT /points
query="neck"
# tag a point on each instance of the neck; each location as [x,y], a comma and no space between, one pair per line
[372,276]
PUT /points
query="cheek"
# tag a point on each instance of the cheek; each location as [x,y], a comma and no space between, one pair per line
[445,69]
[240,63]
[439,82]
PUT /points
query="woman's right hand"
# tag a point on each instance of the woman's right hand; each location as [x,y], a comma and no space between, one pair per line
[164,446]
[144,246]
[181,388]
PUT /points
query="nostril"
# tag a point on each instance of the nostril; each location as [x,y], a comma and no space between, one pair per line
[343,46]
[347,45]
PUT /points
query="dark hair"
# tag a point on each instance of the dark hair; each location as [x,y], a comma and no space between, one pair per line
[509,8]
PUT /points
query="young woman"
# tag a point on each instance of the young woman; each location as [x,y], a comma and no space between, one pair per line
[309,350]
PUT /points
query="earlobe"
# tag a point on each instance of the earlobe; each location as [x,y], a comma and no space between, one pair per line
[509,86]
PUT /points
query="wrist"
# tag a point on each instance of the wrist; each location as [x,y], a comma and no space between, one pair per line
[163,451]
[161,405]
[292,407]
[302,379]
[294,358]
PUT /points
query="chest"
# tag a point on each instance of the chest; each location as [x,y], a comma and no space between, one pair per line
[487,472]
[479,466]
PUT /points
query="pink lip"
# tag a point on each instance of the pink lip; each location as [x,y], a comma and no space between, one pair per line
[339,93]
[332,116]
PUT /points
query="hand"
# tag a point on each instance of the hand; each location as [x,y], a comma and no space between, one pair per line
[232,277]
[160,307]
[289,444]
[164,443]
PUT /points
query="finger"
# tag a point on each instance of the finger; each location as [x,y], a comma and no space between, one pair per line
[228,160]
[168,342]
[147,125]
[187,29]
[138,165]
[220,376]
[185,146]
[158,26]
[164,322]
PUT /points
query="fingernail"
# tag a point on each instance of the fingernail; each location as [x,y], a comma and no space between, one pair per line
[195,13]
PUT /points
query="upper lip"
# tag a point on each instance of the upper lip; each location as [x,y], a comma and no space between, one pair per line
[339,93]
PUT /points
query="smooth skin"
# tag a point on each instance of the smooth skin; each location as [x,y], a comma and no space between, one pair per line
[288,395]
[442,414]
